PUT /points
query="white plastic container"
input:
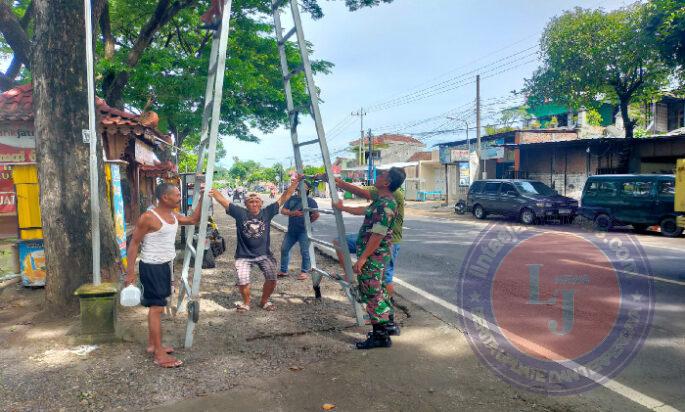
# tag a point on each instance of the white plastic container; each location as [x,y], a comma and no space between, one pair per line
[130,296]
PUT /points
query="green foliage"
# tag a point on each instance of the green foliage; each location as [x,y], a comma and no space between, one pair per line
[590,53]
[174,70]
[594,118]
[554,122]
[490,130]
[666,24]
[313,170]
[507,118]
[173,64]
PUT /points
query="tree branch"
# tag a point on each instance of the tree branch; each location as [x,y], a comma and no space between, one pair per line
[14,34]
[26,18]
[106,29]
[7,79]
[163,13]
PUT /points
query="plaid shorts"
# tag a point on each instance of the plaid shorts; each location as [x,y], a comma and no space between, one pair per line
[267,264]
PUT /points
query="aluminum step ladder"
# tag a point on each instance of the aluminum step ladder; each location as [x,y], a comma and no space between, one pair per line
[348,282]
[190,279]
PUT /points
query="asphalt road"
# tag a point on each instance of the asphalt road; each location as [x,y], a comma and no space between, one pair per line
[432,254]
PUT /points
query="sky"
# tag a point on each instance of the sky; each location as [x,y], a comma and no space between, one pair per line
[433,48]
[411,65]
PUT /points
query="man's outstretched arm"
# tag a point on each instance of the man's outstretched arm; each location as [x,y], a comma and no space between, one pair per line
[355,190]
[291,189]
[358,211]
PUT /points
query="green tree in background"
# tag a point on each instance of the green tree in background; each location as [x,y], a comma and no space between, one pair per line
[152,54]
[591,53]
[666,24]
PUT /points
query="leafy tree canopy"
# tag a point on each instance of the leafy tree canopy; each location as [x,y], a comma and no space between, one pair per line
[592,54]
[153,55]
[666,23]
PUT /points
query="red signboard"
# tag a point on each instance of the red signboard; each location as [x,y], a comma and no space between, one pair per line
[17,145]
[8,197]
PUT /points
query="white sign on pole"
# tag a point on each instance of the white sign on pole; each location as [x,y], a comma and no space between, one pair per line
[474,164]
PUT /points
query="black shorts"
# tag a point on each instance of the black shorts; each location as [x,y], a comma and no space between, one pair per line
[156,280]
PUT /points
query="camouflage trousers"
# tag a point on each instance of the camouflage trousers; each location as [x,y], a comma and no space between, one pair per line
[372,289]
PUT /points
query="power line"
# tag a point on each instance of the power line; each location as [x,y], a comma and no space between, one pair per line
[419,87]
[451,83]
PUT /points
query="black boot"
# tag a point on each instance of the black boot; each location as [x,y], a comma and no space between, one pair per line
[392,328]
[378,339]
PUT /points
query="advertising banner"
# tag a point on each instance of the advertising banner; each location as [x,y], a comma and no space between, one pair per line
[32,262]
[460,155]
[8,197]
[464,174]
[118,211]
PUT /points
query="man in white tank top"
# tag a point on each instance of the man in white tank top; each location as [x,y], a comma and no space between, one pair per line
[156,230]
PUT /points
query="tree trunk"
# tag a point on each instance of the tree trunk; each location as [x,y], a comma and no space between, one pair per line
[628,124]
[60,104]
[629,158]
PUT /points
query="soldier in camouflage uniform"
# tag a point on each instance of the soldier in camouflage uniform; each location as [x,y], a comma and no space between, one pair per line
[374,243]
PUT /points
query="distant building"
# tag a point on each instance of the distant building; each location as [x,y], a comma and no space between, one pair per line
[386,150]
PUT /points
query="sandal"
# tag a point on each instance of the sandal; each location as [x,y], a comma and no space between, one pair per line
[303,276]
[241,307]
[268,306]
[168,350]
[169,363]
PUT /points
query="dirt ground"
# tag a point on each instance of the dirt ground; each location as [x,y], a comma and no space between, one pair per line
[43,367]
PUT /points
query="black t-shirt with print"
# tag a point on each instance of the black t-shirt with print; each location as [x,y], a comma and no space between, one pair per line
[253,231]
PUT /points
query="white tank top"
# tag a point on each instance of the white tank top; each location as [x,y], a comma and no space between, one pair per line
[159,247]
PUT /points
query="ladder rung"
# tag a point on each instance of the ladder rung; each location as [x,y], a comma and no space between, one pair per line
[288,35]
[192,250]
[333,276]
[321,242]
[277,4]
[294,73]
[322,211]
[308,142]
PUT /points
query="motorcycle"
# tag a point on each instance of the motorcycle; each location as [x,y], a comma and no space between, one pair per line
[460,207]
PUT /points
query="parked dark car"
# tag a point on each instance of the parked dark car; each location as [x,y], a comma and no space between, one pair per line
[638,200]
[526,200]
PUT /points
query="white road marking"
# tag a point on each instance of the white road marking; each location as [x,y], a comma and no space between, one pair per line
[656,278]
[616,387]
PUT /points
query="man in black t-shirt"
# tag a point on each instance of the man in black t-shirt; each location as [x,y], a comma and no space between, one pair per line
[253,230]
[297,233]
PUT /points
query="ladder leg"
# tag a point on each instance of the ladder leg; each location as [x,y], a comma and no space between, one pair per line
[350,277]
[214,118]
[316,114]
[190,230]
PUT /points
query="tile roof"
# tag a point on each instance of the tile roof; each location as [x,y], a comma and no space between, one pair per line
[165,169]
[421,156]
[387,138]
[17,104]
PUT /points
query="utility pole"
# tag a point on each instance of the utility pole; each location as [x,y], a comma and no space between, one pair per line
[478,148]
[91,132]
[371,177]
[361,113]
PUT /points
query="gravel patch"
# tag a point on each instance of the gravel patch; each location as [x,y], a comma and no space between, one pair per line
[42,367]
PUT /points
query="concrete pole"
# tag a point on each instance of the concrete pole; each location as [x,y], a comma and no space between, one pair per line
[478,147]
[92,132]
[360,150]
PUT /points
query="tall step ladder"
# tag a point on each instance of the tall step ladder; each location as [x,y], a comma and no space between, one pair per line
[348,282]
[190,280]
